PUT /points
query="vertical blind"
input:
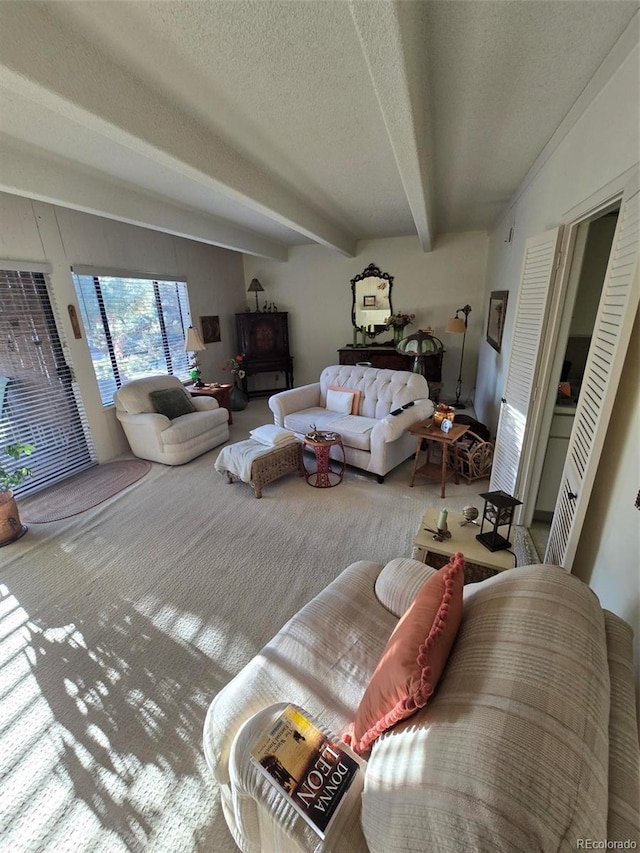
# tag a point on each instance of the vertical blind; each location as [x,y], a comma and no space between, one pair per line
[39,399]
[135,327]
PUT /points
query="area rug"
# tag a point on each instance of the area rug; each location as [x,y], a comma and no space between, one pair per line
[82,491]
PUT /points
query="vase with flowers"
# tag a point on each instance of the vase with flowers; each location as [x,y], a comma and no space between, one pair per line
[235,366]
[398,322]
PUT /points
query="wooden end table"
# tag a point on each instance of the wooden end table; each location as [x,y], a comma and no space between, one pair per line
[480,563]
[321,478]
[427,431]
[222,394]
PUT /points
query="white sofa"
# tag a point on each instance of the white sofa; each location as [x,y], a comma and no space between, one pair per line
[154,436]
[528,743]
[383,442]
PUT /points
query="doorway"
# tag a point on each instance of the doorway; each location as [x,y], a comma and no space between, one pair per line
[587,276]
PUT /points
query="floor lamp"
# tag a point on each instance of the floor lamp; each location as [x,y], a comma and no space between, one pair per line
[459,327]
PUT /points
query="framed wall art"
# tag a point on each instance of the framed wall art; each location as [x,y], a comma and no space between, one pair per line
[210,329]
[368,302]
[495,321]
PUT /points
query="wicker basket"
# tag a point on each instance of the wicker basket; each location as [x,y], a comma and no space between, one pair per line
[475,457]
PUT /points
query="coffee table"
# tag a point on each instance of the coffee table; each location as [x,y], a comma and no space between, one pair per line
[428,431]
[480,563]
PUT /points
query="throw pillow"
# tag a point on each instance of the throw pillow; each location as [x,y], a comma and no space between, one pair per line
[172,402]
[339,401]
[355,404]
[414,657]
[272,435]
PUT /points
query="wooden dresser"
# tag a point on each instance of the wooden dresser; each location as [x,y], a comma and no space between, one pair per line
[386,356]
[263,339]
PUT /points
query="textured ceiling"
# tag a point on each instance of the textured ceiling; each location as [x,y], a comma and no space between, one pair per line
[262,124]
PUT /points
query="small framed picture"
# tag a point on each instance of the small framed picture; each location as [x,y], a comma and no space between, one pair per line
[368,302]
[495,321]
[210,329]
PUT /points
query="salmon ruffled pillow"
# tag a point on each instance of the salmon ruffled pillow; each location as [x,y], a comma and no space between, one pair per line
[414,657]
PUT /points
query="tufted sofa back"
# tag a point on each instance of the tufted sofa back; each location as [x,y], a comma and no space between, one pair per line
[382,390]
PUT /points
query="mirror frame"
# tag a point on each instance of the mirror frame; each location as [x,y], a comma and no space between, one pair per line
[372,271]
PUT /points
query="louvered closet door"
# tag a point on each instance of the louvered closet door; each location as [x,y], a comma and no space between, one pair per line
[611,334]
[538,271]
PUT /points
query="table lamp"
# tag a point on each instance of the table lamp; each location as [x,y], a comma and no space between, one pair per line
[420,345]
[194,344]
[458,326]
[255,287]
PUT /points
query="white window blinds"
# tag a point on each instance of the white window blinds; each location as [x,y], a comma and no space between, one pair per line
[135,327]
[39,400]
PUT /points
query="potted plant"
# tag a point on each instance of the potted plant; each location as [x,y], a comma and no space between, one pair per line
[11,476]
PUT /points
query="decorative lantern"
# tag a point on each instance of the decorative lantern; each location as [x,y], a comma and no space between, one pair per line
[498,512]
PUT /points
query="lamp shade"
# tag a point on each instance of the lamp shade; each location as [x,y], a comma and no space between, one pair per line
[255,286]
[420,343]
[193,341]
[456,325]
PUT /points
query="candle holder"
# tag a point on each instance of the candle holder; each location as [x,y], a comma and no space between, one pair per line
[442,534]
[498,512]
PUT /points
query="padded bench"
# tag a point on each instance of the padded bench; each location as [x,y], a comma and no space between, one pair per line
[270,465]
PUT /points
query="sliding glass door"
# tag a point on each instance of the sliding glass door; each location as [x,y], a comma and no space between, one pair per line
[39,402]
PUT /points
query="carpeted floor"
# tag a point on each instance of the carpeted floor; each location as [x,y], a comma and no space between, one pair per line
[83,491]
[119,625]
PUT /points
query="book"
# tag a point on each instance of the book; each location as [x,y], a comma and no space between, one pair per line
[311,769]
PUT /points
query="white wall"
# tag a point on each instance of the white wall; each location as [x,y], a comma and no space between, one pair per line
[315,286]
[603,145]
[35,231]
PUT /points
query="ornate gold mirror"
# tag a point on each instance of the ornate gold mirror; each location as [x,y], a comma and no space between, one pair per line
[371,300]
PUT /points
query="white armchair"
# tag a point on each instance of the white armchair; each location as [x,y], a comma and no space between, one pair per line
[190,427]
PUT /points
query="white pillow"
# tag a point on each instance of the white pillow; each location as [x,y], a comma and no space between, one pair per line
[340,401]
[272,435]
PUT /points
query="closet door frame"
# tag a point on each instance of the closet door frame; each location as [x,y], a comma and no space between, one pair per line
[614,194]
[609,345]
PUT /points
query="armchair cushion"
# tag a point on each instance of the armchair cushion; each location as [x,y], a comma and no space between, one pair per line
[171,402]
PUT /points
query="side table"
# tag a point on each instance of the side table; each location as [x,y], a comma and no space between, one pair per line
[480,563]
[427,431]
[222,394]
[323,477]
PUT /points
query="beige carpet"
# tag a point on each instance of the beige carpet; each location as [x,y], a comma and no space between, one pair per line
[83,491]
[119,625]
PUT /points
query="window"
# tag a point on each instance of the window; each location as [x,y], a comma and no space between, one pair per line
[134,326]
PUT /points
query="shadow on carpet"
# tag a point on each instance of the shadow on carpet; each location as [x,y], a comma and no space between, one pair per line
[82,491]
